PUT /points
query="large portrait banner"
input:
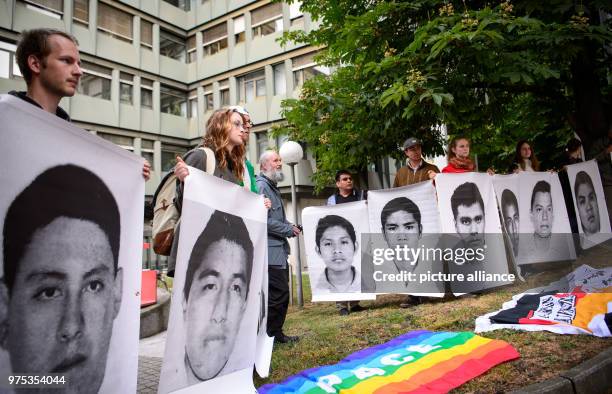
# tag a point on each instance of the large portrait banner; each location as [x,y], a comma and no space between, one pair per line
[590,203]
[470,222]
[71,208]
[332,238]
[216,309]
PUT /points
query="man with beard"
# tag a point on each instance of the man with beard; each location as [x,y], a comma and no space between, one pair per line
[279,229]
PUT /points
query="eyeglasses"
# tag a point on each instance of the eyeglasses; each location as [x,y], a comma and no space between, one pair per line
[238,124]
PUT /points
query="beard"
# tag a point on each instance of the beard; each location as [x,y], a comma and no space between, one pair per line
[275,175]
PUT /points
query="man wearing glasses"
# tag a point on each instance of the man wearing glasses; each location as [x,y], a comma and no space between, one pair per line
[416,169]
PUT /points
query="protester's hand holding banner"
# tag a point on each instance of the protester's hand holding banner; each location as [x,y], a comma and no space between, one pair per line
[71,242]
[589,203]
[215,312]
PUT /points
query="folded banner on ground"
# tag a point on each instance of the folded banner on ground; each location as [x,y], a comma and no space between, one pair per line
[418,361]
[579,303]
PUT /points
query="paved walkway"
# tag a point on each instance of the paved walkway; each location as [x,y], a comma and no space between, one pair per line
[151,351]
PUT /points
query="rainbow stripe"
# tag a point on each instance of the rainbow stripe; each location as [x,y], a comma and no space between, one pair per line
[416,362]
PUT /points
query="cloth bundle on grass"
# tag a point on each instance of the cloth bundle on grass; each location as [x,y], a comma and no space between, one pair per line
[579,303]
[418,361]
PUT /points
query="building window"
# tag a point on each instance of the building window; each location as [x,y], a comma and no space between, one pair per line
[146,93]
[184,5]
[173,101]
[115,22]
[191,49]
[239,26]
[8,61]
[267,19]
[305,68]
[146,34]
[168,156]
[251,85]
[126,88]
[172,46]
[224,92]
[147,150]
[215,39]
[96,81]
[208,98]
[280,82]
[80,12]
[193,104]
[121,141]
[296,16]
[263,144]
[52,8]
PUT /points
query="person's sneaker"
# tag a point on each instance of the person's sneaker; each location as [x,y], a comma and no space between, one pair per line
[357,308]
[282,338]
[344,312]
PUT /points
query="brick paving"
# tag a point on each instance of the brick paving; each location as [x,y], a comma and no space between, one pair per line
[149,369]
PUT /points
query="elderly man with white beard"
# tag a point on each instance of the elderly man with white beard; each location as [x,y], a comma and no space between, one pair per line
[279,229]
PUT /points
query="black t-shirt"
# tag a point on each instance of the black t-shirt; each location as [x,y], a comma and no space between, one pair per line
[341,200]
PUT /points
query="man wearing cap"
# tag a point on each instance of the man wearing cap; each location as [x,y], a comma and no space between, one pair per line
[416,169]
[248,177]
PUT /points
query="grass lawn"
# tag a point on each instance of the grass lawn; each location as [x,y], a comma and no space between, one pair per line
[326,337]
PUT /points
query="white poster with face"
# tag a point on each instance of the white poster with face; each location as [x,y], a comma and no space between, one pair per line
[71,211]
[589,203]
[468,212]
[506,189]
[215,310]
[332,238]
[404,217]
[545,232]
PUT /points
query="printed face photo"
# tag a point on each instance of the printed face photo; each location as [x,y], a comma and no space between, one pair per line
[402,228]
[542,214]
[336,249]
[470,225]
[63,303]
[214,309]
[215,294]
[510,215]
[586,200]
[63,285]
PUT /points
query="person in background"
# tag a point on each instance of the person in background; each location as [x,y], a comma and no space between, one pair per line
[416,169]
[248,179]
[459,156]
[346,193]
[50,63]
[279,229]
[524,159]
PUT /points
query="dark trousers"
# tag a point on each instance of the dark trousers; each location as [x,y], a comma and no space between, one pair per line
[278,299]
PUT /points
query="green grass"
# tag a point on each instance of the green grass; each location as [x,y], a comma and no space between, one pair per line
[326,337]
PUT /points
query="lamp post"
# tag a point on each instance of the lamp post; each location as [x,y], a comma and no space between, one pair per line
[291,152]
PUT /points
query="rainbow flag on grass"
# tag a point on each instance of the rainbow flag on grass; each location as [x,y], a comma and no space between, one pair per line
[416,362]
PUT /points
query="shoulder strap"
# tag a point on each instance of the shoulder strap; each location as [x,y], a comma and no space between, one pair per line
[210,159]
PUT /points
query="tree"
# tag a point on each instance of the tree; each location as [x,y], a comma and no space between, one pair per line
[495,72]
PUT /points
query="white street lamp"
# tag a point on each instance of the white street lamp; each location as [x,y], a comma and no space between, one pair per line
[291,152]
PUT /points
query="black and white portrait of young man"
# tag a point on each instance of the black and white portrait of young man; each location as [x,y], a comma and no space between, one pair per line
[71,230]
[216,311]
[589,203]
